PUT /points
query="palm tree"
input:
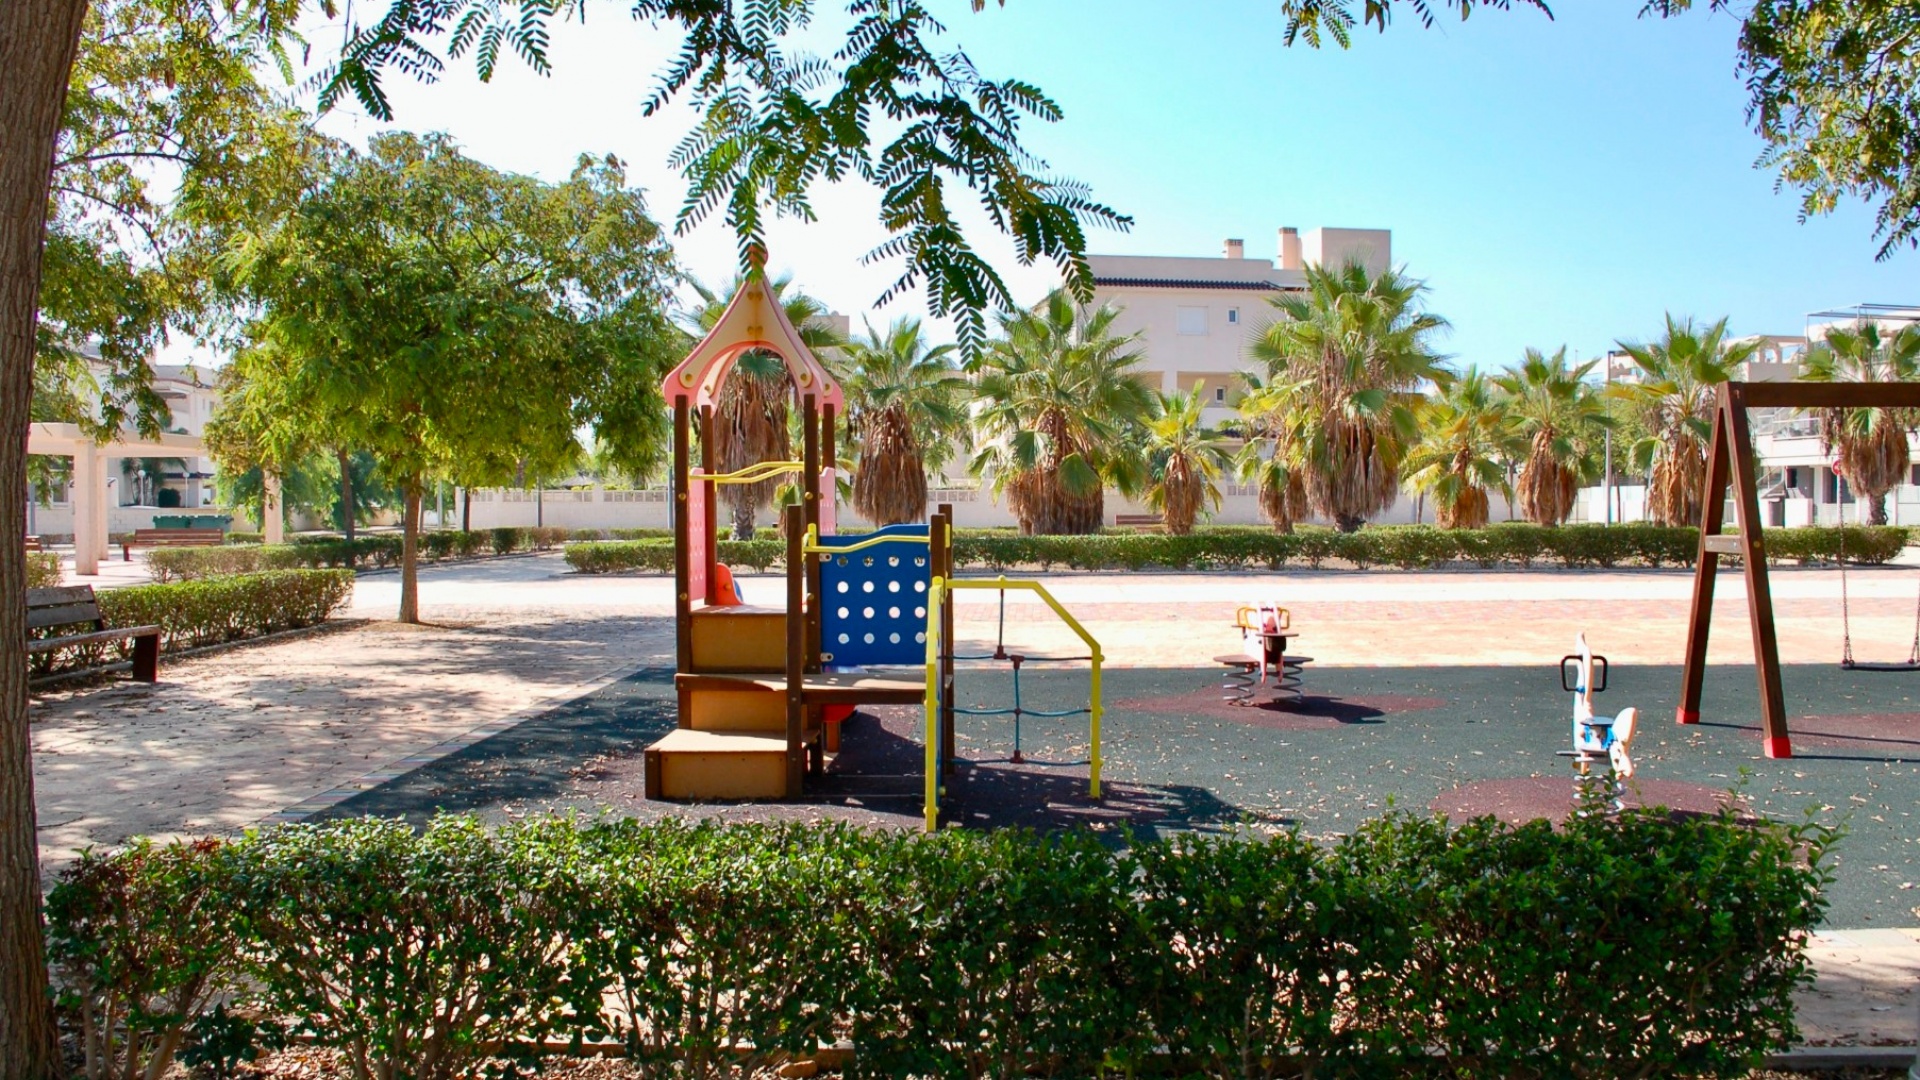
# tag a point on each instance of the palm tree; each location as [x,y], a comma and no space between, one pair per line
[1559,414]
[904,412]
[1058,411]
[1464,445]
[1263,459]
[750,417]
[1869,446]
[1185,457]
[1673,401]
[1344,364]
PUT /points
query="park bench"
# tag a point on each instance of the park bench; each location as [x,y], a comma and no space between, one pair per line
[1139,522]
[66,606]
[170,538]
[33,544]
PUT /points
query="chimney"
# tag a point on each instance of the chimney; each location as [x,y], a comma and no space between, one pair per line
[1236,249]
[1290,249]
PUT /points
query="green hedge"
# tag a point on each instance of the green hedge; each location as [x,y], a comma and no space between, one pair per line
[1411,547]
[369,552]
[214,611]
[1487,949]
[619,556]
[43,569]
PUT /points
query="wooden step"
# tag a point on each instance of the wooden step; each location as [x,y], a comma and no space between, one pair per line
[733,706]
[740,637]
[820,688]
[704,765]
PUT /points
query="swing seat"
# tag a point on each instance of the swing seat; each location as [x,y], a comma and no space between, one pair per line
[1866,665]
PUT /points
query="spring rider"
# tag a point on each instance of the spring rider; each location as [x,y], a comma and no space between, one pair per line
[1597,740]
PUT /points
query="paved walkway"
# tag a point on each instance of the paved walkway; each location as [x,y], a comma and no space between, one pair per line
[228,739]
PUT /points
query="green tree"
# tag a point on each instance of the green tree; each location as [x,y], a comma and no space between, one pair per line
[904,414]
[772,124]
[1673,402]
[1870,447]
[1058,411]
[1344,365]
[1265,458]
[1561,417]
[429,309]
[1464,445]
[1186,457]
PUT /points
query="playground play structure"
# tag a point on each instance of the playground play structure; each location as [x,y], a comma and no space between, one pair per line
[867,619]
[1730,464]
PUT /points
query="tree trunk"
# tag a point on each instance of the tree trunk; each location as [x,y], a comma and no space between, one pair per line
[346,494]
[1877,509]
[743,521]
[38,39]
[1347,523]
[410,553]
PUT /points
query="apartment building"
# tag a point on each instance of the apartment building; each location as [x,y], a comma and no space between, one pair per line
[1196,315]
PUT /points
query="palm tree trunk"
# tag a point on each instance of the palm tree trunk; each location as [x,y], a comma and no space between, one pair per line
[1877,509]
[38,40]
[743,520]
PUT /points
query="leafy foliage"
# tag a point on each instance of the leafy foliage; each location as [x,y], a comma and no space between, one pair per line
[413,286]
[1464,444]
[774,122]
[1869,446]
[1058,412]
[1673,400]
[166,126]
[1481,949]
[904,415]
[1345,361]
[1186,457]
[1559,416]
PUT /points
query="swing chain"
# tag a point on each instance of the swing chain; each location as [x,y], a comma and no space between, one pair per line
[1846,615]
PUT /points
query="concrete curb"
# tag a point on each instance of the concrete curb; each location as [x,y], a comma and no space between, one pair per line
[1820,1058]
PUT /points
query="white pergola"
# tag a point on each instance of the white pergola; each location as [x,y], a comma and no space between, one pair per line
[90,481]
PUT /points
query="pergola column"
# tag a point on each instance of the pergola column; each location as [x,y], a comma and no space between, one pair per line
[274,529]
[89,508]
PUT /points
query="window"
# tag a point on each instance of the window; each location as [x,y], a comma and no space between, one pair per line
[1914,479]
[1193,321]
[1220,392]
[1233,315]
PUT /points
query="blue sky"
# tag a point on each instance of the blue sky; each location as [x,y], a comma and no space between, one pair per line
[1561,181]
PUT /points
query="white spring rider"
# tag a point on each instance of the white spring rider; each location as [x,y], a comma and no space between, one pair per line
[1597,740]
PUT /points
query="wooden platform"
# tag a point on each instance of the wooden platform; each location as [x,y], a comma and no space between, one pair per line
[824,688]
[691,764]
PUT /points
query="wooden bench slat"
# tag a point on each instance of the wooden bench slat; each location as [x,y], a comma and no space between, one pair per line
[54,595]
[119,633]
[64,615]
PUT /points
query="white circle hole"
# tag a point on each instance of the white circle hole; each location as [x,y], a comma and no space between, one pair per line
[844,639]
[894,638]
[920,638]
[869,639]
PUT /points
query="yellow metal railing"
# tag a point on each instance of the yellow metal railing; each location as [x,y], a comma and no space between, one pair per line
[814,547]
[752,474]
[936,600]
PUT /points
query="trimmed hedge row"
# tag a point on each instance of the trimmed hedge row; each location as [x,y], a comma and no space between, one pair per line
[618,556]
[191,614]
[704,949]
[371,552]
[1410,547]
[43,569]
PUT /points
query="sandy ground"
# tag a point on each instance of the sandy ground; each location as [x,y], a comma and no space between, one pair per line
[229,738]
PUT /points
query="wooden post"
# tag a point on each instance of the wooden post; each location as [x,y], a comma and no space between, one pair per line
[1706,567]
[710,462]
[682,544]
[794,520]
[1766,644]
[810,501]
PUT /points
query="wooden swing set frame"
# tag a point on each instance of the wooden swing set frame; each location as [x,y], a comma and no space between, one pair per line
[1730,463]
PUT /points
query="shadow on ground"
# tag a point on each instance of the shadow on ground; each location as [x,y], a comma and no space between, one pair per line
[1177,758]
